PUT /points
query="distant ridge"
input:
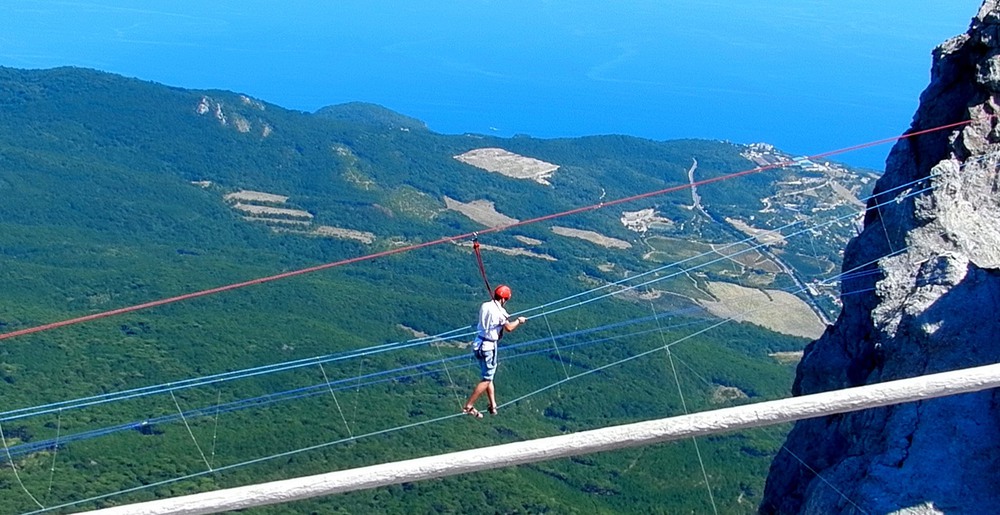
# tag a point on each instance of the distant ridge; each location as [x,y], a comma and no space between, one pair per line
[371,114]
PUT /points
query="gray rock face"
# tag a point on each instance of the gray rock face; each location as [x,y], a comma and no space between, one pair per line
[921,295]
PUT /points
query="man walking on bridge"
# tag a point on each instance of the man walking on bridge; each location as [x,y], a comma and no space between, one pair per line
[493,322]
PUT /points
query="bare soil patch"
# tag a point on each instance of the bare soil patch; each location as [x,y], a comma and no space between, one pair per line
[761,235]
[421,334]
[787,358]
[528,241]
[510,251]
[348,234]
[480,211]
[277,221]
[747,258]
[846,194]
[776,310]
[724,394]
[272,211]
[593,237]
[507,163]
[255,196]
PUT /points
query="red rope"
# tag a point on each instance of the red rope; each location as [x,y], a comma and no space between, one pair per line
[459,237]
[482,269]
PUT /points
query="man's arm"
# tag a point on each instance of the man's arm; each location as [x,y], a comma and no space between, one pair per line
[513,324]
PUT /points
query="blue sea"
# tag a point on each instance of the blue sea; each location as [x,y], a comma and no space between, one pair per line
[806,76]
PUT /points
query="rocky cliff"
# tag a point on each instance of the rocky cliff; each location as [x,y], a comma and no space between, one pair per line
[921,294]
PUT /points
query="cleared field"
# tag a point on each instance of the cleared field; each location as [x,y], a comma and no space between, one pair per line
[593,237]
[271,211]
[480,211]
[846,194]
[747,257]
[507,163]
[349,234]
[277,222]
[528,241]
[255,196]
[510,251]
[668,249]
[776,310]
[739,260]
[447,343]
[725,394]
[683,289]
[787,358]
[761,235]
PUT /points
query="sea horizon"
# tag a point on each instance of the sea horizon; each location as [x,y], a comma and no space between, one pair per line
[807,79]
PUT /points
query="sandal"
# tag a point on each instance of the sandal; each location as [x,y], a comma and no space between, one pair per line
[492,410]
[470,410]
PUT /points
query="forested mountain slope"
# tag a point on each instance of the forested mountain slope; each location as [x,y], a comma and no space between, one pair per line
[117,192]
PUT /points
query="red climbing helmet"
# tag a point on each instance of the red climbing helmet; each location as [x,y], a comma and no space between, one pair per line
[502,292]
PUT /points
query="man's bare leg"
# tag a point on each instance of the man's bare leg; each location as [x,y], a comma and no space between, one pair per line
[491,394]
[483,386]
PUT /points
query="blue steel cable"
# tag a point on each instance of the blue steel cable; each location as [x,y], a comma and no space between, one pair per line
[370,434]
[149,390]
[283,396]
[340,385]
[259,460]
[458,332]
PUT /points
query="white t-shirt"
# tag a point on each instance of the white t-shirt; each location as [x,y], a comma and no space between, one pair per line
[492,316]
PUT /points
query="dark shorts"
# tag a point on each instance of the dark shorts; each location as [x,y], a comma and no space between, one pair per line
[487,363]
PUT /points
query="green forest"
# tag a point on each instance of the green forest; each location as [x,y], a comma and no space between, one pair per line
[115,194]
